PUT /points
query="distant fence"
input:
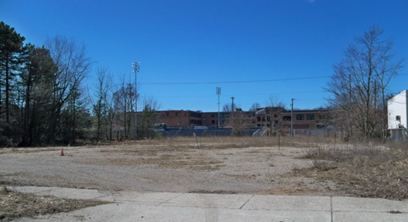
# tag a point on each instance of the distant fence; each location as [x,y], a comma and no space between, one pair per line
[315,132]
[210,132]
[255,131]
[399,135]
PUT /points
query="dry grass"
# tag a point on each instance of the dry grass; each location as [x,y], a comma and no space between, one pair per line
[366,171]
[228,142]
[15,205]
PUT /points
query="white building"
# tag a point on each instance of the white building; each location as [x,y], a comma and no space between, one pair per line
[398,111]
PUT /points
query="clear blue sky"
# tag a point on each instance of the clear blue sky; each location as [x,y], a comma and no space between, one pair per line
[179,41]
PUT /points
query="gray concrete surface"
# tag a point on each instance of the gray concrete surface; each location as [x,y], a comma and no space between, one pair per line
[133,206]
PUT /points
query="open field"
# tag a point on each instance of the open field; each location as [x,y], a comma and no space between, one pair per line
[205,165]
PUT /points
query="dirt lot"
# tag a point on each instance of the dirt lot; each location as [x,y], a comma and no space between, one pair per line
[184,165]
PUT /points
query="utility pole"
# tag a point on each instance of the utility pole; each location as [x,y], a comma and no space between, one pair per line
[232,116]
[291,119]
[232,104]
[136,68]
[218,92]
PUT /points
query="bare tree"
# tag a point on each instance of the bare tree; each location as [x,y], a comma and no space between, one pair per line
[73,66]
[101,91]
[255,107]
[359,83]
[148,117]
[273,111]
[228,107]
[110,106]
[124,99]
[239,120]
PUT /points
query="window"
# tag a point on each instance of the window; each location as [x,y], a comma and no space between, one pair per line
[300,117]
[287,118]
[213,121]
[398,118]
[310,116]
[176,114]
[322,116]
[212,115]
[268,118]
[167,114]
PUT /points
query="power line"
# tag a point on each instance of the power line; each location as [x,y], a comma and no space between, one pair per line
[252,94]
[233,82]
[239,81]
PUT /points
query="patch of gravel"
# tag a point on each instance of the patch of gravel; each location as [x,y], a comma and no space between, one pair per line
[261,170]
[14,205]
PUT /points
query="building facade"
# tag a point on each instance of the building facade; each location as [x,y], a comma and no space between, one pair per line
[268,116]
[181,118]
[398,111]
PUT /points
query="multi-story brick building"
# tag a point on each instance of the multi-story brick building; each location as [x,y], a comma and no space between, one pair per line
[268,116]
[181,118]
[306,119]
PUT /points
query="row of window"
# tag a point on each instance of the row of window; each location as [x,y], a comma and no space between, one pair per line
[309,116]
[175,114]
[192,114]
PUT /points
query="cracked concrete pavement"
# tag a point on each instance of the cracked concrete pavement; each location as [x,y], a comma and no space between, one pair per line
[166,206]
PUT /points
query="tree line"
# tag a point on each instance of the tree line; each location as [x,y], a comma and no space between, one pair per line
[44,99]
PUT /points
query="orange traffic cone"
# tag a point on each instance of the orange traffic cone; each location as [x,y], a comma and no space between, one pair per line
[62,151]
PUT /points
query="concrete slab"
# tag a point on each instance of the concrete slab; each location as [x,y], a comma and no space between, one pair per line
[31,189]
[369,217]
[227,201]
[288,203]
[69,193]
[350,204]
[132,212]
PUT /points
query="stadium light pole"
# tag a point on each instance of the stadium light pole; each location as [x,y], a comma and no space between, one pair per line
[136,68]
[218,91]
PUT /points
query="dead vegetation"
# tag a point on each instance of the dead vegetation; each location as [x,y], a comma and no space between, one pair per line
[365,171]
[228,142]
[14,205]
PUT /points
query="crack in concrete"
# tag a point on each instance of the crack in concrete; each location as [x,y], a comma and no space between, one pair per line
[331,208]
[246,201]
[169,199]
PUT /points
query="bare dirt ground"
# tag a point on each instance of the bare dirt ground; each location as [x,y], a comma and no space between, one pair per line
[166,166]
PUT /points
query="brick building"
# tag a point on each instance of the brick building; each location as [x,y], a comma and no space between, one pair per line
[268,116]
[181,118]
[306,119]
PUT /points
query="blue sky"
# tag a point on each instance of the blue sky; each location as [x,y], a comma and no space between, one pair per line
[215,42]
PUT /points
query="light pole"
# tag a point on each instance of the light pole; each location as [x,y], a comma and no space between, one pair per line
[136,68]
